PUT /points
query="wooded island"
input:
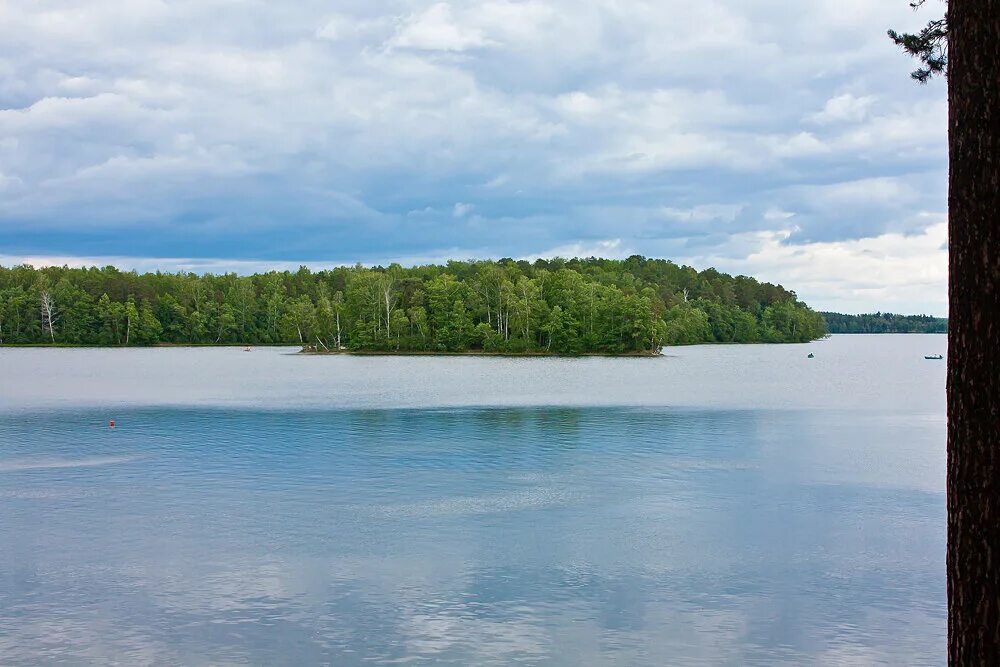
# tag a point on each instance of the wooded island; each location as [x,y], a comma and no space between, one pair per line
[557,306]
[839,323]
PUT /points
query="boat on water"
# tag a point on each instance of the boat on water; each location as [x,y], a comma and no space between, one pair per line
[811,356]
[933,356]
[247,348]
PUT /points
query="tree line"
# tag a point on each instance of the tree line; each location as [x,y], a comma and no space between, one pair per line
[838,323]
[556,306]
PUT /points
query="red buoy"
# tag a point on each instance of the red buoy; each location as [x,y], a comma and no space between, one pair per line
[111,424]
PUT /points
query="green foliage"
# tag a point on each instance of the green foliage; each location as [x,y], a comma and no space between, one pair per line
[930,46]
[563,332]
[560,306]
[686,325]
[884,323]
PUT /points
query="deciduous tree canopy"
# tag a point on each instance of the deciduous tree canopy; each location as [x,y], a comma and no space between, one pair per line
[558,306]
[838,323]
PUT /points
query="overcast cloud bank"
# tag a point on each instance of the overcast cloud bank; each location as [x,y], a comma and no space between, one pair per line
[778,139]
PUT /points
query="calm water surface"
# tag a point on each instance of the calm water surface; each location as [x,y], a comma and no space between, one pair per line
[720,505]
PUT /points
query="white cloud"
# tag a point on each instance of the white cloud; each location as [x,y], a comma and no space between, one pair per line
[892,271]
[572,119]
[341,27]
[802,144]
[9,183]
[879,190]
[435,29]
[609,248]
[773,214]
[703,213]
[497,181]
[844,108]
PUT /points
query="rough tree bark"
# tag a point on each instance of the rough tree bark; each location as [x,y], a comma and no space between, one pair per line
[974,333]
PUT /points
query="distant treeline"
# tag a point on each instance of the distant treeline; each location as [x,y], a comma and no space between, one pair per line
[558,306]
[838,323]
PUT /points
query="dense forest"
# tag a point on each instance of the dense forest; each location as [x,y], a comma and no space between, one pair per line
[838,323]
[555,306]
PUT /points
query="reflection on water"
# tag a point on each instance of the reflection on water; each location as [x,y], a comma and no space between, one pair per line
[488,536]
[11,465]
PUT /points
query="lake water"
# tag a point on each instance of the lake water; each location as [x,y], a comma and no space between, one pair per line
[719,505]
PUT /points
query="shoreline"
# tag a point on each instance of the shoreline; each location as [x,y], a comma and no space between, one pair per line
[418,353]
[472,353]
[321,353]
[85,346]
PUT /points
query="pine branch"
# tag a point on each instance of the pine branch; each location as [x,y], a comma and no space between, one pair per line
[930,45]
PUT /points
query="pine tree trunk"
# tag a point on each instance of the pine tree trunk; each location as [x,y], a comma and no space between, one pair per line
[974,333]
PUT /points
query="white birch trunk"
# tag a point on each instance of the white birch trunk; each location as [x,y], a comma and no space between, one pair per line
[49,315]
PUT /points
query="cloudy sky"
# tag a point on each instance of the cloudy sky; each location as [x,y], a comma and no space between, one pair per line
[776,138]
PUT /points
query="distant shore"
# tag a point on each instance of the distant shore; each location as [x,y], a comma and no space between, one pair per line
[470,353]
[97,346]
[430,353]
[356,353]
[883,323]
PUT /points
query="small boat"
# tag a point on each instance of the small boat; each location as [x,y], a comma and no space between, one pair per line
[811,356]
[933,356]
[247,349]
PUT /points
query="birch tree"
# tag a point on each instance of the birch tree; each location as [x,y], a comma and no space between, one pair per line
[50,315]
